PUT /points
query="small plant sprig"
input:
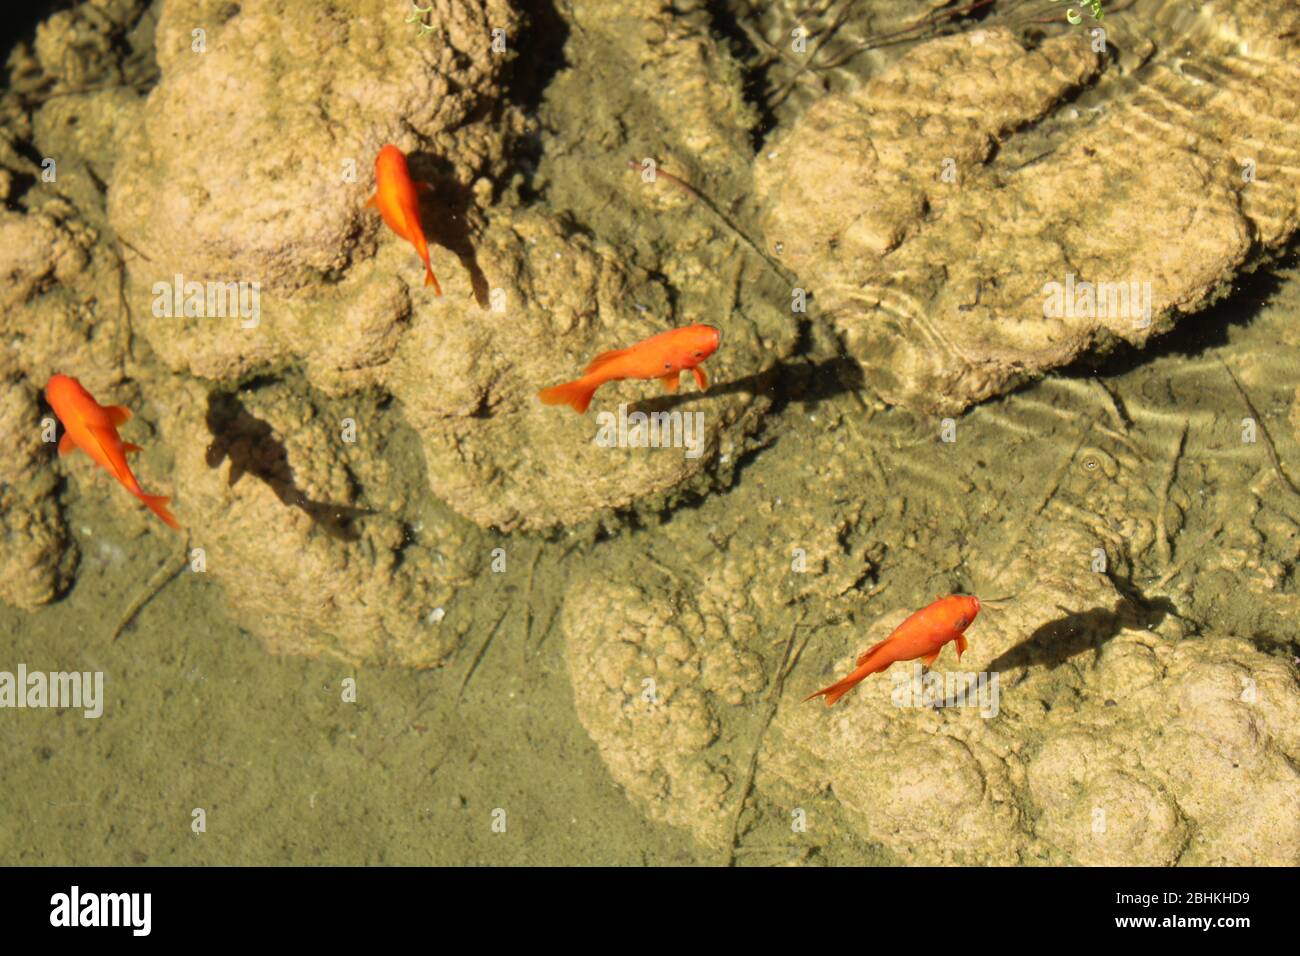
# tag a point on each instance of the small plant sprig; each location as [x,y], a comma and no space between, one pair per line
[1074,16]
[418,14]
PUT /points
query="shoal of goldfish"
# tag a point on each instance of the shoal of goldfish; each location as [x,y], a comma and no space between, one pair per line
[93,428]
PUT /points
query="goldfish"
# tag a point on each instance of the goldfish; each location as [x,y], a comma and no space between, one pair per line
[922,635]
[664,357]
[92,428]
[397,198]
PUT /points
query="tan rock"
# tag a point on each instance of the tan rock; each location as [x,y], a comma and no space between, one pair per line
[936,258]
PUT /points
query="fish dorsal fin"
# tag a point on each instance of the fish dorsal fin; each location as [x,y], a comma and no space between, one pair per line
[603,359]
[118,414]
[862,658]
[107,438]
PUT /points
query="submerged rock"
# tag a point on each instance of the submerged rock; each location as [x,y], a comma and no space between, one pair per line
[310,534]
[965,228]
[530,298]
[1105,727]
[1109,741]
[38,557]
[343,451]
[55,280]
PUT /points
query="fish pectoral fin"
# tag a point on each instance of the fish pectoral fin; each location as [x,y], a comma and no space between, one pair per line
[671,381]
[66,445]
[961,645]
[701,379]
[373,201]
[929,659]
[129,448]
[118,414]
[424,187]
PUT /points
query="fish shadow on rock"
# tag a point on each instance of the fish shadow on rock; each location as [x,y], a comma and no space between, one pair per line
[444,212]
[253,449]
[810,382]
[1055,642]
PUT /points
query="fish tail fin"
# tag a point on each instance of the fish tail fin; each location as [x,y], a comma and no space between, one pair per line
[841,687]
[576,394]
[837,690]
[430,278]
[158,505]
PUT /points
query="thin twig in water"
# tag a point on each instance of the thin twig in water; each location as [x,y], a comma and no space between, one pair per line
[1268,439]
[811,63]
[726,220]
[934,19]
[1113,406]
[788,660]
[162,577]
[661,566]
[1162,531]
[1059,475]
[546,631]
[528,602]
[1192,552]
[479,657]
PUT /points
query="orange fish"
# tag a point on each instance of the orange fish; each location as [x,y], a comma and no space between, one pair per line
[664,356]
[91,427]
[921,635]
[398,200]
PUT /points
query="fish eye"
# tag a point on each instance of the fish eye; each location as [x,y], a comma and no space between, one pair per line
[668,364]
[699,354]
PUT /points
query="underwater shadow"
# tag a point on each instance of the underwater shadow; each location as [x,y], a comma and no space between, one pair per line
[444,214]
[1055,642]
[20,22]
[810,382]
[528,77]
[755,69]
[445,209]
[252,448]
[1195,334]
[538,60]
